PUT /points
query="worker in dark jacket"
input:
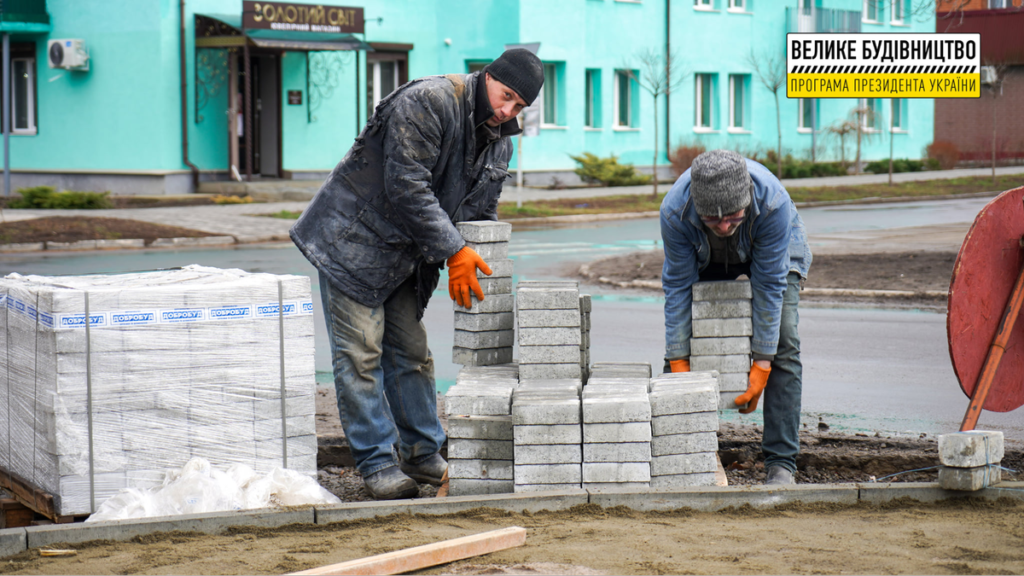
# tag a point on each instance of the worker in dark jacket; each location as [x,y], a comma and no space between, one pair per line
[435,152]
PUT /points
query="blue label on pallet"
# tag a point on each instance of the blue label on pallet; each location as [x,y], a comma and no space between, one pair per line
[132,318]
[78,320]
[182,315]
[46,319]
[306,307]
[271,310]
[231,313]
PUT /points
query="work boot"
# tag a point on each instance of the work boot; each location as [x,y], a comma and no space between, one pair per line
[429,470]
[777,475]
[390,484]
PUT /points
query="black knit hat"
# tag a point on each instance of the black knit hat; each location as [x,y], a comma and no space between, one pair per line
[720,183]
[520,70]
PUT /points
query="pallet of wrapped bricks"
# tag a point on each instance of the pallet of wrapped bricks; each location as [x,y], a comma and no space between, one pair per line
[722,328]
[480,430]
[546,418]
[484,333]
[112,379]
[550,336]
[616,433]
[684,423]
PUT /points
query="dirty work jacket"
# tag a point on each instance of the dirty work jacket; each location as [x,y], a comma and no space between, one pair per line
[387,210]
[772,239]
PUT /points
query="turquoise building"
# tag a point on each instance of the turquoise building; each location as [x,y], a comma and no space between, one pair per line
[154,96]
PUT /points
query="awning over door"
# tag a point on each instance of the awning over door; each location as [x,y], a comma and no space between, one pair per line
[229,32]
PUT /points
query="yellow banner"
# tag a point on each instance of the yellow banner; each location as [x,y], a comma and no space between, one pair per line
[883,85]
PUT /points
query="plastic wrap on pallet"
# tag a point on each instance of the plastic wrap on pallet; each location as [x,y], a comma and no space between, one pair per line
[171,365]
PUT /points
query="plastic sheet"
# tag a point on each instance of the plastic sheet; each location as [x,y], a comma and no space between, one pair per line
[171,365]
[199,487]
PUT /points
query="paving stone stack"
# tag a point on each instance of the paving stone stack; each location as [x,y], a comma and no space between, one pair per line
[484,333]
[585,306]
[550,334]
[601,370]
[722,328]
[546,417]
[616,433]
[684,423]
[970,460]
[480,447]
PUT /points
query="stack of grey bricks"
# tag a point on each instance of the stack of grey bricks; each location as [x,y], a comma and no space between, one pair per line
[546,418]
[970,460]
[585,306]
[485,332]
[722,328]
[616,432]
[621,370]
[550,336]
[480,450]
[684,410]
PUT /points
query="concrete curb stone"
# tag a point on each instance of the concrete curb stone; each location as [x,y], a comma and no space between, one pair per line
[23,247]
[201,241]
[13,541]
[534,502]
[713,498]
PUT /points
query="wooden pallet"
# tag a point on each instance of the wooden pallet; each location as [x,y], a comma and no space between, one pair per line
[35,499]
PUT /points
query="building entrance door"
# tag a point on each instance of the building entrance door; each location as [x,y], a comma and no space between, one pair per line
[266,116]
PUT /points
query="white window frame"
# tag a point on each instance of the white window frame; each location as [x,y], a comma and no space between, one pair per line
[864,14]
[737,6]
[867,123]
[377,97]
[742,128]
[540,97]
[591,91]
[622,75]
[897,7]
[30,67]
[901,104]
[704,5]
[698,83]
[801,127]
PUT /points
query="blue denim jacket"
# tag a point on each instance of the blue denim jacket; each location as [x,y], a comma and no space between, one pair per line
[772,238]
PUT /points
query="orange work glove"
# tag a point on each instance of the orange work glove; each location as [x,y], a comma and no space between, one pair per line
[462,276]
[758,379]
[681,365]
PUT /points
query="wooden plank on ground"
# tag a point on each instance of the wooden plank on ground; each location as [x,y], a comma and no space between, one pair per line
[428,555]
[720,478]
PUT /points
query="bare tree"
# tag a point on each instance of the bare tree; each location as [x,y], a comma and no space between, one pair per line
[840,130]
[948,14]
[865,118]
[657,76]
[770,68]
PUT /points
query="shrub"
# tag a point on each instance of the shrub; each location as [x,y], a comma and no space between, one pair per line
[898,165]
[607,171]
[682,156]
[45,197]
[227,199]
[944,152]
[792,168]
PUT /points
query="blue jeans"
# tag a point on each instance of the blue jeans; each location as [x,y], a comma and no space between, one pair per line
[780,442]
[384,378]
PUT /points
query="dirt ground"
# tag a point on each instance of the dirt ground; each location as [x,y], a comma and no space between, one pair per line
[76,228]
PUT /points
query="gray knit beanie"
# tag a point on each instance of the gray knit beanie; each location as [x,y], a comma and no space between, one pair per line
[520,70]
[719,183]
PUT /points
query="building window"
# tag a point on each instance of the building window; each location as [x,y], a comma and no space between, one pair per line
[738,101]
[806,118]
[871,10]
[626,102]
[476,65]
[996,4]
[871,115]
[899,115]
[737,5]
[23,95]
[705,97]
[897,11]
[592,111]
[703,4]
[549,96]
[385,71]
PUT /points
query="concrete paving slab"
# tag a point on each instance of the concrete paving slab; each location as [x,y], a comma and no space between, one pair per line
[539,298]
[683,481]
[478,486]
[548,473]
[120,530]
[552,500]
[499,269]
[545,411]
[719,346]
[485,231]
[494,469]
[723,327]
[616,472]
[722,290]
[484,340]
[549,336]
[13,541]
[489,305]
[534,435]
[493,285]
[545,488]
[549,371]
[490,250]
[549,318]
[480,427]
[549,454]
[616,408]
[617,452]
[617,432]
[685,399]
[549,354]
[712,498]
[722,364]
[481,357]
[473,449]
[485,322]
[673,464]
[685,423]
[478,405]
[684,443]
[722,309]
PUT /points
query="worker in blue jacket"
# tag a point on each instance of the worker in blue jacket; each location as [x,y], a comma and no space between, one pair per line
[725,217]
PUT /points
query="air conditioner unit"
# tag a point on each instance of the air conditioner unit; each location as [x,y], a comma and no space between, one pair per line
[69,54]
[988,75]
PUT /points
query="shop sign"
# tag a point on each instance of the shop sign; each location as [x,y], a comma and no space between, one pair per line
[302,17]
[294,97]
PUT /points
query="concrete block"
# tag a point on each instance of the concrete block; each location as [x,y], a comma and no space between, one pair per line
[584,340]
[640,369]
[493,469]
[483,357]
[734,382]
[617,452]
[620,432]
[683,464]
[548,474]
[719,346]
[570,487]
[121,530]
[549,454]
[722,290]
[682,481]
[619,408]
[722,309]
[546,412]
[561,434]
[485,322]
[485,231]
[468,386]
[585,303]
[13,541]
[698,397]
[617,486]
[478,486]
[548,354]
[616,472]
[472,449]
[499,269]
[971,449]
[551,500]
[881,493]
[585,322]
[678,377]
[490,250]
[723,327]
[489,305]
[546,371]
[682,443]
[727,401]
[722,364]
[969,479]
[563,384]
[534,298]
[484,340]
[480,427]
[685,423]
[548,318]
[549,336]
[493,285]
[478,405]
